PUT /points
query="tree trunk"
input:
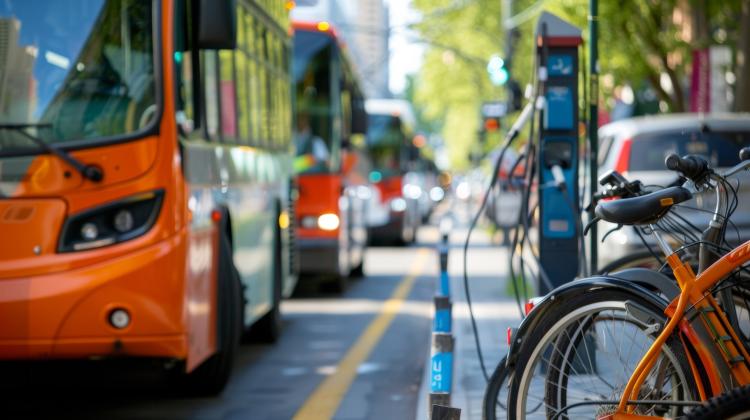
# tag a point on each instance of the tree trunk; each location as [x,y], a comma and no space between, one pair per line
[742,71]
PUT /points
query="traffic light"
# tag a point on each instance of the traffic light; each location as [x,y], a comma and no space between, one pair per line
[499,74]
[491,124]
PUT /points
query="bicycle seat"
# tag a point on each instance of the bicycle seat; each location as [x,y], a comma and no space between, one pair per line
[644,209]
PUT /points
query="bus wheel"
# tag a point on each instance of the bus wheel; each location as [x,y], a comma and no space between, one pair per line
[335,283]
[359,271]
[268,328]
[211,377]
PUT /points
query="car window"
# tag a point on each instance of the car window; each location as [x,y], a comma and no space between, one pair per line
[605,143]
[721,149]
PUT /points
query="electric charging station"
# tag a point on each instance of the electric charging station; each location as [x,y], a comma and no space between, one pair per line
[559,214]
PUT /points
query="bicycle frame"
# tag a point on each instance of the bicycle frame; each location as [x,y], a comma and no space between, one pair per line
[726,361]
[695,292]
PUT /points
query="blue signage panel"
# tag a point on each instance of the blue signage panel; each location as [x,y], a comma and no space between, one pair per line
[441,377]
[560,65]
[558,114]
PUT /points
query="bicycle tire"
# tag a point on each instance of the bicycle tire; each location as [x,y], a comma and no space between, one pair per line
[732,405]
[638,259]
[556,323]
[493,404]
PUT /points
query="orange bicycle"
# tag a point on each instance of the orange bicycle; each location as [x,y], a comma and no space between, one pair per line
[581,354]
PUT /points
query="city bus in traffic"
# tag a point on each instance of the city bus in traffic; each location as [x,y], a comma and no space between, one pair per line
[331,170]
[145,163]
[395,213]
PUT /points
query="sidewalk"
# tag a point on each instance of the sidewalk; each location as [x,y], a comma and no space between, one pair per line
[494,312]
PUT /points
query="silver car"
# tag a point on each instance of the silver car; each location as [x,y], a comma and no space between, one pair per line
[637,148]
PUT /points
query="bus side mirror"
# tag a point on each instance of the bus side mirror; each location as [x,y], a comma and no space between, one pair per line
[217,24]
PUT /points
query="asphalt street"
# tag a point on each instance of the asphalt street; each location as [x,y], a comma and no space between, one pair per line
[360,355]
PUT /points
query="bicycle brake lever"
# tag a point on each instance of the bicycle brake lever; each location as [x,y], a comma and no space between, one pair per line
[589,224]
[611,231]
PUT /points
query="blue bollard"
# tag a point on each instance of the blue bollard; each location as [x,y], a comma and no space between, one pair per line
[441,377]
[445,284]
[443,320]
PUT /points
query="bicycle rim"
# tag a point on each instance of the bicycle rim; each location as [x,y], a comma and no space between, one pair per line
[589,355]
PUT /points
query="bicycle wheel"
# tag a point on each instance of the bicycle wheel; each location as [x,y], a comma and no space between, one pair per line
[584,351]
[496,393]
[734,405]
[638,259]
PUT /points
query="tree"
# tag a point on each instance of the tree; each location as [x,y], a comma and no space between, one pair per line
[640,41]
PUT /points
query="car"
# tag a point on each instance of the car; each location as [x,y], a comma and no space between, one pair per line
[504,202]
[637,148]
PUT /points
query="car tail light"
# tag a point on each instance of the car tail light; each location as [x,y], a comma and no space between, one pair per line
[623,160]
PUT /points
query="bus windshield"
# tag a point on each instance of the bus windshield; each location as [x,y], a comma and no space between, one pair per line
[385,144]
[312,66]
[76,70]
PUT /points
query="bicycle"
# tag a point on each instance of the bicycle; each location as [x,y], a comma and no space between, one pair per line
[630,268]
[734,405]
[678,374]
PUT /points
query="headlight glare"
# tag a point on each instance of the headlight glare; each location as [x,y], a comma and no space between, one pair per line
[89,231]
[328,221]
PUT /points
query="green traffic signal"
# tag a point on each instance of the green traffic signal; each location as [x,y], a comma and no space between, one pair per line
[498,72]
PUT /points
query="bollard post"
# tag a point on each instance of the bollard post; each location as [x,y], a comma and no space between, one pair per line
[441,364]
[446,224]
[441,349]
[441,412]
[445,286]
[443,318]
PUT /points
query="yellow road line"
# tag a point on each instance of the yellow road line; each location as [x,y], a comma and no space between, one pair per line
[323,403]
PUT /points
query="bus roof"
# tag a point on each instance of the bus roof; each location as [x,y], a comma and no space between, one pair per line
[319,26]
[396,107]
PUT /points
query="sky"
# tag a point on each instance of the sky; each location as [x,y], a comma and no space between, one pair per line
[406,55]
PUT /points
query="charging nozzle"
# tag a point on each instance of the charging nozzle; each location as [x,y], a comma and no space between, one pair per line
[521,120]
[557,174]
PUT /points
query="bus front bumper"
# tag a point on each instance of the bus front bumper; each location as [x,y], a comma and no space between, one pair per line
[318,256]
[67,315]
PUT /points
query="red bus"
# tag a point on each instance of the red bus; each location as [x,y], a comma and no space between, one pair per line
[330,122]
[145,163]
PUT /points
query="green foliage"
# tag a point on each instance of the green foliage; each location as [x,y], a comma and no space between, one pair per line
[641,42]
[453,81]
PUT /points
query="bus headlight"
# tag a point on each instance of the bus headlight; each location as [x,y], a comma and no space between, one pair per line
[328,221]
[437,194]
[111,223]
[398,205]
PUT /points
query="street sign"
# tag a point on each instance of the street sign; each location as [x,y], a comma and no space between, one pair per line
[494,109]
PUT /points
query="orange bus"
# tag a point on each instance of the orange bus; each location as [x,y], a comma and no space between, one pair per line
[332,184]
[145,163]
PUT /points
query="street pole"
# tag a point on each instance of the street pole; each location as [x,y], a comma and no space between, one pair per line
[593,123]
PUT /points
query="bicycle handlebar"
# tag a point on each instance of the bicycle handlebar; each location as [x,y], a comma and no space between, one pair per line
[693,167]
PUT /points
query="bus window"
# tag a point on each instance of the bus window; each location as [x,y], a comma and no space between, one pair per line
[243,93]
[385,140]
[228,97]
[313,131]
[211,93]
[93,78]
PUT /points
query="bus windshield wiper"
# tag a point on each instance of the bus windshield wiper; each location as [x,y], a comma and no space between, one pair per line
[91,172]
